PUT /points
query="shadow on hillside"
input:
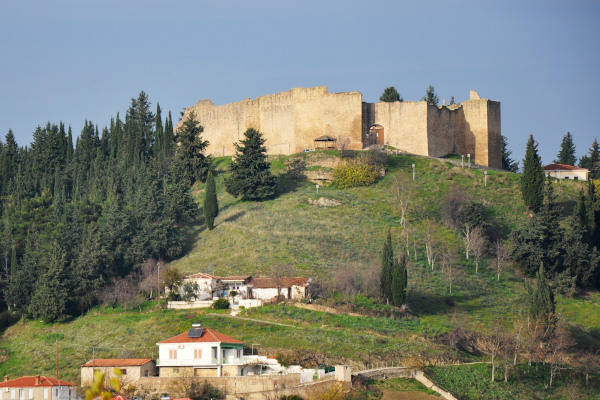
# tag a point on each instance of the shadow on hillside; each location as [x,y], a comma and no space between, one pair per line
[235,216]
[586,339]
[286,184]
[193,232]
[430,304]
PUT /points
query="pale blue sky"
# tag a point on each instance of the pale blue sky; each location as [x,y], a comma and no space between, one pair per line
[73,60]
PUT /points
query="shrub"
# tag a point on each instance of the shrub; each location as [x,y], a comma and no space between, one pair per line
[356,173]
[221,304]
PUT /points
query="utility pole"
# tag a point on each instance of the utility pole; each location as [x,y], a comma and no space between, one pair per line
[56,359]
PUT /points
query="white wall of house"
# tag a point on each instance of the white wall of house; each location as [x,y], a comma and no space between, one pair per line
[189,354]
[581,175]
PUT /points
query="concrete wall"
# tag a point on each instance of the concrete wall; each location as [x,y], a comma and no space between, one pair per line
[290,121]
[133,373]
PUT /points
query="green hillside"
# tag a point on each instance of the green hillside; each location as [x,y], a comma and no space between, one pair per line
[340,242]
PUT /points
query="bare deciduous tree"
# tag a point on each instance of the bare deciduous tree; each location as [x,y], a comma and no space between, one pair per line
[431,242]
[467,231]
[501,254]
[478,245]
[450,271]
[493,344]
[557,346]
[402,193]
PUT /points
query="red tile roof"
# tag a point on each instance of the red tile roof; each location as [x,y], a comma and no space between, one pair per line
[30,381]
[117,362]
[201,275]
[563,167]
[264,283]
[208,336]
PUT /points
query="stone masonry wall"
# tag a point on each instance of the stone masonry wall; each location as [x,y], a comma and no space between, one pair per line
[291,120]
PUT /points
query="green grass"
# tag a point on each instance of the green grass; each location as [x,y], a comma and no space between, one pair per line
[468,382]
[252,238]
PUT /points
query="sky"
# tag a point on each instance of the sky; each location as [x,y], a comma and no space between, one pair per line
[74,60]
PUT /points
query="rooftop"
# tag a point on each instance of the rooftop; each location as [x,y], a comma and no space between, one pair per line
[117,362]
[34,381]
[208,336]
[563,167]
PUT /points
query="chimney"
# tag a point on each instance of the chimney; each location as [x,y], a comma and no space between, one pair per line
[37,379]
[5,378]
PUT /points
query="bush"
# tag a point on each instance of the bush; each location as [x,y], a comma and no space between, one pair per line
[221,304]
[353,174]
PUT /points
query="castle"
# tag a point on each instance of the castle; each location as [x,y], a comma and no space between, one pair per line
[308,118]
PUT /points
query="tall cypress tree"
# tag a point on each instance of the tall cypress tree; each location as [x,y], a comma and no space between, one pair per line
[251,175]
[387,268]
[542,303]
[532,181]
[211,204]
[507,162]
[566,155]
[399,281]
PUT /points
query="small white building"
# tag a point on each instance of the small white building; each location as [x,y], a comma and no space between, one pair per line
[206,284]
[200,352]
[562,171]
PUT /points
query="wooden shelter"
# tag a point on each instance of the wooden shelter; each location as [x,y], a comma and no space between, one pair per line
[325,142]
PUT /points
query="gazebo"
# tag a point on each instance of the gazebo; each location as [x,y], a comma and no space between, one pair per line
[325,142]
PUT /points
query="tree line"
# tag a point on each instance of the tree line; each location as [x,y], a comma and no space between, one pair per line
[78,214]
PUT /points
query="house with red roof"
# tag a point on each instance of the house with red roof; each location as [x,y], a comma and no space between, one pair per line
[267,288]
[132,369]
[37,387]
[562,171]
[200,352]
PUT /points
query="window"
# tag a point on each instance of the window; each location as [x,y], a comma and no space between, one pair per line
[124,371]
[215,354]
[239,353]
[146,373]
[173,354]
[45,393]
[55,392]
[30,394]
[197,354]
[12,393]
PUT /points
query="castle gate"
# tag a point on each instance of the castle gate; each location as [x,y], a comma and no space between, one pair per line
[375,135]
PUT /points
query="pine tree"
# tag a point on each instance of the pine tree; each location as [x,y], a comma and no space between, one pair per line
[399,281]
[431,96]
[211,204]
[390,95]
[49,301]
[508,163]
[567,151]
[532,181]
[592,161]
[191,149]
[387,268]
[251,175]
[542,306]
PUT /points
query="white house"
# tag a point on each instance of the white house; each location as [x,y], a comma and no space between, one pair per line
[266,288]
[562,171]
[37,387]
[200,352]
[206,284]
[239,284]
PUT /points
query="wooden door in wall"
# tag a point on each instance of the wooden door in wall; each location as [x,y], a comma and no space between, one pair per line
[376,135]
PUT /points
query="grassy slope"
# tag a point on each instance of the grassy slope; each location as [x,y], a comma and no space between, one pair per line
[254,237]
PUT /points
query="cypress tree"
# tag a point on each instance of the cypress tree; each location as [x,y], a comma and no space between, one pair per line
[251,175]
[390,95]
[387,268]
[399,281]
[567,151]
[542,303]
[532,181]
[211,204]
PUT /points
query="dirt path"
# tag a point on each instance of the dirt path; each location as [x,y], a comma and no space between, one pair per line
[253,320]
[316,307]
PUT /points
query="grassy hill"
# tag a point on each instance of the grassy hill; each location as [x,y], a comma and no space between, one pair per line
[321,242]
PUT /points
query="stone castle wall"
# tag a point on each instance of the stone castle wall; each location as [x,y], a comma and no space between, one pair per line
[292,120]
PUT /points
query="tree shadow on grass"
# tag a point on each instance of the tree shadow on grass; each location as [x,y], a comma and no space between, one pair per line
[430,304]
[234,217]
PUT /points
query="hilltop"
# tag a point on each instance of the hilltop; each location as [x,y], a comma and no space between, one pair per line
[341,242]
